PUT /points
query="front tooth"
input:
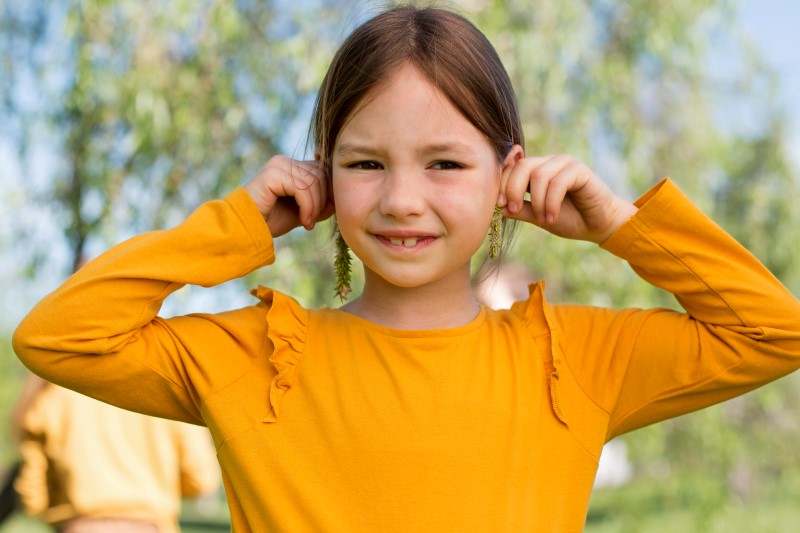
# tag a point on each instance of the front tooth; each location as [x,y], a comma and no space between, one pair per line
[410,243]
[396,242]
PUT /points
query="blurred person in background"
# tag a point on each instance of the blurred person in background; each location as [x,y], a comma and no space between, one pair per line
[90,467]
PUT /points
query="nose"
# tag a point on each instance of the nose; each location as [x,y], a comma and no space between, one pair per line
[402,194]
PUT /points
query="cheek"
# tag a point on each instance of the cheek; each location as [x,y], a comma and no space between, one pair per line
[350,201]
[343,192]
[463,205]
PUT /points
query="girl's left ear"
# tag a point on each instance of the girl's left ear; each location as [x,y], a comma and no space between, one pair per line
[515,154]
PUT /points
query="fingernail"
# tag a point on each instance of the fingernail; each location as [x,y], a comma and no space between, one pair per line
[513,207]
[550,218]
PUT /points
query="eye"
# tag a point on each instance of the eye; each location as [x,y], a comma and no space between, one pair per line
[365,165]
[446,165]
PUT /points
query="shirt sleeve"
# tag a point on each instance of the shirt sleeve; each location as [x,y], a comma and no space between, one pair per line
[99,333]
[741,328]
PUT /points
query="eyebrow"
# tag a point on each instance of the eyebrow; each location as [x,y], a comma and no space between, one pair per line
[350,148]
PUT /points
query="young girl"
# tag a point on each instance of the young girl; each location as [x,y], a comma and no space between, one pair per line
[411,407]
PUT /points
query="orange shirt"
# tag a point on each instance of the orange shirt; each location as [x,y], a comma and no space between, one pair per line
[326,422]
[86,459]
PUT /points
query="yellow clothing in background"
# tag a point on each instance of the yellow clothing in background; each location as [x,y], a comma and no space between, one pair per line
[86,459]
[325,422]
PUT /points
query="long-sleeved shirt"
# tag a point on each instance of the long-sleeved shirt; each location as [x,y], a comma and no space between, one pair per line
[85,459]
[324,421]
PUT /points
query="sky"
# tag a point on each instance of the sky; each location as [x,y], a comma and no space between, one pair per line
[774,26]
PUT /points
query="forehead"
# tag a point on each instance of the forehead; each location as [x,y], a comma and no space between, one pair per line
[407,109]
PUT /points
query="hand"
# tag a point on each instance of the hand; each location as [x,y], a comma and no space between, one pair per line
[290,193]
[566,197]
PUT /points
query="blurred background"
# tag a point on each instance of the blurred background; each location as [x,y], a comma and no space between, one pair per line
[121,117]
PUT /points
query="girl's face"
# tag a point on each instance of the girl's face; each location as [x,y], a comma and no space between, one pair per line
[414,183]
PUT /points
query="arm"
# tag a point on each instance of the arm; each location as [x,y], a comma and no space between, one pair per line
[741,328]
[99,333]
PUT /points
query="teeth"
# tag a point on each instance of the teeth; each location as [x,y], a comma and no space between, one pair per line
[409,242]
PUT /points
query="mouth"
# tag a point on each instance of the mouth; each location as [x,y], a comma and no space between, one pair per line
[406,243]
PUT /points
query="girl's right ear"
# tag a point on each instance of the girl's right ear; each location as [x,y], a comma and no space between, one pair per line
[328,177]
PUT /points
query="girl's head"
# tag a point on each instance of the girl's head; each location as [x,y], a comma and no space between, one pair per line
[416,92]
[447,49]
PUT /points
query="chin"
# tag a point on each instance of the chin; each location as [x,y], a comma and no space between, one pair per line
[400,279]
[407,282]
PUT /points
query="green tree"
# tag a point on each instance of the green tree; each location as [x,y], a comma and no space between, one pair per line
[140,113]
[145,113]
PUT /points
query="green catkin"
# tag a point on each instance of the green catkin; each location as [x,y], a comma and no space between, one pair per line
[496,233]
[343,267]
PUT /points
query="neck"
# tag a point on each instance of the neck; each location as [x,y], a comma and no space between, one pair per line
[444,304]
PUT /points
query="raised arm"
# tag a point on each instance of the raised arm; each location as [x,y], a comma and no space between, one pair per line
[741,328]
[109,308]
[99,334]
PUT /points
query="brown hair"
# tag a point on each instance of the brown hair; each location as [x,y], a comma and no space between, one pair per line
[450,52]
[446,48]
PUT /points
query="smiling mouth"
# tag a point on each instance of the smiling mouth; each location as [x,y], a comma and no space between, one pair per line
[406,242]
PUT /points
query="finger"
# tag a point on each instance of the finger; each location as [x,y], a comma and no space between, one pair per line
[566,180]
[515,154]
[517,182]
[305,179]
[319,193]
[502,199]
[539,176]
[327,212]
[524,214]
[323,185]
[308,204]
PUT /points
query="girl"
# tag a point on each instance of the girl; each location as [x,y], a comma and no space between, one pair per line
[413,408]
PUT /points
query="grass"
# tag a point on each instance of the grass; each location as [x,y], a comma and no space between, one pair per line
[761,518]
[649,507]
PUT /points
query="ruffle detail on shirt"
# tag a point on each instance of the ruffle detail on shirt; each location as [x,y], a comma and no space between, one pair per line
[536,315]
[287,326]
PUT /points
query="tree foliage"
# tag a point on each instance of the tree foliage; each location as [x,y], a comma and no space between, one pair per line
[127,115]
[146,112]
[630,88]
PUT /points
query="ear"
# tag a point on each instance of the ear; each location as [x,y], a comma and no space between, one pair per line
[515,154]
[318,157]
